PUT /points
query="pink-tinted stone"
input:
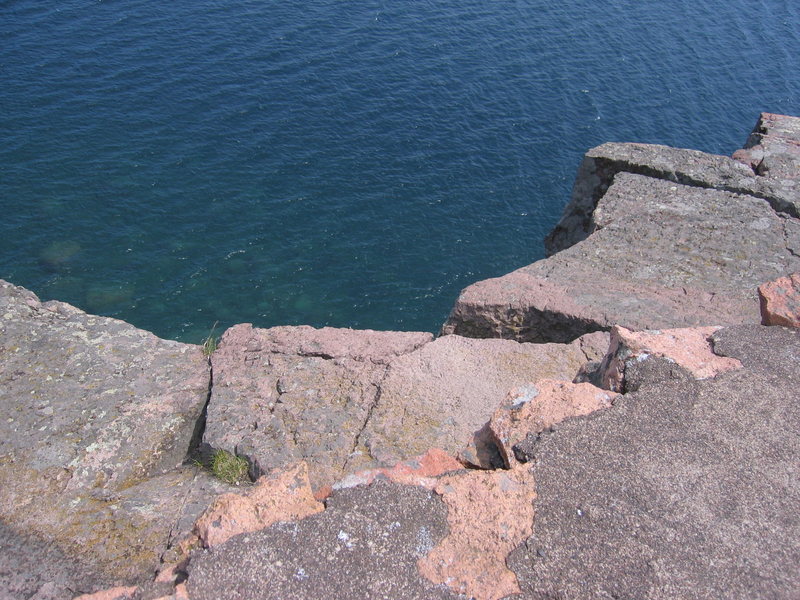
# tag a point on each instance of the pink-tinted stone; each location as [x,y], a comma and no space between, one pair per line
[280,496]
[331,342]
[93,414]
[489,513]
[537,406]
[689,347]
[116,593]
[287,394]
[660,255]
[440,395]
[780,301]
[773,148]
[180,593]
[421,470]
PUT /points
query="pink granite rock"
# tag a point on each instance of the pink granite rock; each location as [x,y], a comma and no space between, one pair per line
[347,401]
[279,496]
[96,417]
[690,348]
[489,513]
[661,255]
[115,593]
[780,301]
[421,470]
[441,395]
[773,148]
[288,394]
[534,407]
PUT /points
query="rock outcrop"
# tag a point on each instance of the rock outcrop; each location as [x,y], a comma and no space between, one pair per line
[653,238]
[96,418]
[685,490]
[348,400]
[773,149]
[397,465]
[780,301]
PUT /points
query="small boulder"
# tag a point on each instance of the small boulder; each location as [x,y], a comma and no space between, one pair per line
[279,496]
[780,301]
[690,348]
[535,407]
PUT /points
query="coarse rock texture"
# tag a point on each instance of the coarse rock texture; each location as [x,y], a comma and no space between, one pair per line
[123,592]
[435,536]
[365,544]
[686,490]
[778,186]
[536,407]
[348,400]
[664,255]
[278,496]
[780,301]
[689,347]
[288,394]
[420,470]
[92,412]
[488,515]
[773,149]
[442,395]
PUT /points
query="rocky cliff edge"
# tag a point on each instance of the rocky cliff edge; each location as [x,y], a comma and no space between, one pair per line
[618,420]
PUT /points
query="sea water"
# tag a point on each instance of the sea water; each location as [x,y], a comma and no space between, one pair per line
[185,163]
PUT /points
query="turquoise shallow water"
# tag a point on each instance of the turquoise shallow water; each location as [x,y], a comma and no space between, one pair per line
[351,164]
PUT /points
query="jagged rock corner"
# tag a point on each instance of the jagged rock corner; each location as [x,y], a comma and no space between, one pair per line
[617,420]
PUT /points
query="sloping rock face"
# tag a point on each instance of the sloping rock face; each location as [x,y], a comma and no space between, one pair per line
[442,395]
[348,400]
[663,255]
[95,418]
[687,490]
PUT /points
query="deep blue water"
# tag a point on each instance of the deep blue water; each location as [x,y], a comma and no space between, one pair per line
[180,163]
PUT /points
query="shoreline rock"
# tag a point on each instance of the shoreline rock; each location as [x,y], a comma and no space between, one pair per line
[399,465]
[653,238]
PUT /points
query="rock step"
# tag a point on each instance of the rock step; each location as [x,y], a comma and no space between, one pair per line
[661,255]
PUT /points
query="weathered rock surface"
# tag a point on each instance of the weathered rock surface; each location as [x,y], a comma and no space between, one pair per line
[383,540]
[773,149]
[780,301]
[347,400]
[689,167]
[442,395]
[365,544]
[278,496]
[420,470]
[664,255]
[690,348]
[288,394]
[95,416]
[687,490]
[535,407]
[488,515]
